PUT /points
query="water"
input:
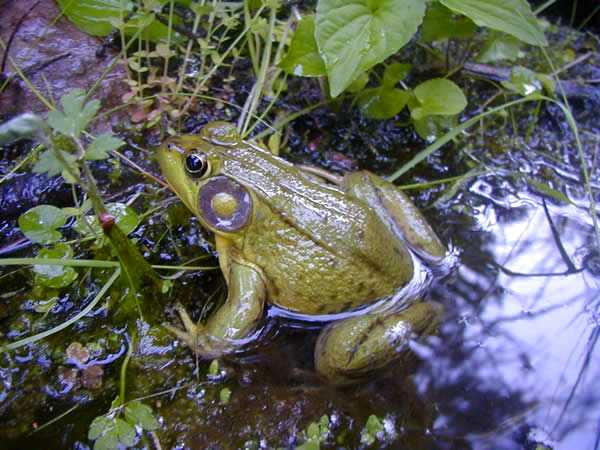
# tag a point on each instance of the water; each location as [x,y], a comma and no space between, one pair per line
[514,362]
[529,339]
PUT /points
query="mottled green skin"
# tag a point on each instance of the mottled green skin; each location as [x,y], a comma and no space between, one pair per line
[313,247]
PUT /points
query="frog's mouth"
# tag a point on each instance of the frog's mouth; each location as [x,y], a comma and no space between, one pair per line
[170,158]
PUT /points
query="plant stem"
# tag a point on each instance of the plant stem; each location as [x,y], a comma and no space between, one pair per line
[93,263]
[68,323]
[423,154]
[188,51]
[200,83]
[123,372]
[253,100]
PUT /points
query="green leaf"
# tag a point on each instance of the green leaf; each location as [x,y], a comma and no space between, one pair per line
[48,163]
[101,17]
[549,191]
[125,432]
[224,395]
[498,47]
[358,84]
[394,73]
[98,426]
[303,57]
[55,276]
[60,123]
[153,30]
[21,127]
[108,441]
[374,425]
[137,413]
[432,127]
[324,423]
[201,10]
[441,23]
[313,432]
[513,17]
[523,81]
[438,96]
[75,116]
[40,224]
[72,102]
[93,16]
[68,177]
[125,217]
[354,35]
[213,368]
[100,147]
[382,102]
[309,445]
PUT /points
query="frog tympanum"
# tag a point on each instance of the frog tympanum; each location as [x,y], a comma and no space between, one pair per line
[312,244]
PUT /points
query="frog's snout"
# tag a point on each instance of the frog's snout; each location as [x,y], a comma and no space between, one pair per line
[172,144]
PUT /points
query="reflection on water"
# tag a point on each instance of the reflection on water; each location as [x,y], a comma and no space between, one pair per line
[517,357]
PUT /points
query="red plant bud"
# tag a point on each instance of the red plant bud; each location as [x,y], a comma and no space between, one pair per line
[106,221]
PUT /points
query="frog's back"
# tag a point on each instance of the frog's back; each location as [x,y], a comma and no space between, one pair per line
[321,251]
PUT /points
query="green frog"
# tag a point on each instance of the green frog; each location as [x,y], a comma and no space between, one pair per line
[313,245]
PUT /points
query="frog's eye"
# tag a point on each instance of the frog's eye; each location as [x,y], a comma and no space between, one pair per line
[196,164]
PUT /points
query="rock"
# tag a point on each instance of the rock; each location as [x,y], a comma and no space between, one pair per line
[57,57]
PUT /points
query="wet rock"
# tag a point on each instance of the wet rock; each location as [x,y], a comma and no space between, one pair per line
[78,353]
[91,377]
[57,57]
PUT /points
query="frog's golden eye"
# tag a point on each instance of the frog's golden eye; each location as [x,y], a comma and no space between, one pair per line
[196,164]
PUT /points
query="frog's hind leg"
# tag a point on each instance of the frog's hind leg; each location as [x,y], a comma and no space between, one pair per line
[347,351]
[397,211]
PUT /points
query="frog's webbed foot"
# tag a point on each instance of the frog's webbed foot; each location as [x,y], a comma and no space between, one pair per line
[192,334]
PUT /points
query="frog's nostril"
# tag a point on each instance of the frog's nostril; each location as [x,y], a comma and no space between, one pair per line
[174,148]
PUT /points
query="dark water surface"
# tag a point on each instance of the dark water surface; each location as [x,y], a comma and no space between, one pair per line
[515,361]
[515,365]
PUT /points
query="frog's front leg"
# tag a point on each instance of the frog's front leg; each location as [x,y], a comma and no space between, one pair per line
[237,319]
[348,350]
[397,211]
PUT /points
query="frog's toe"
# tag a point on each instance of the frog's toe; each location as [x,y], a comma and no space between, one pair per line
[189,338]
[188,323]
[190,334]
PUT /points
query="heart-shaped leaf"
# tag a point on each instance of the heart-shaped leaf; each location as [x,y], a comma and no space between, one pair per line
[303,57]
[354,35]
[55,276]
[513,17]
[40,224]
[438,97]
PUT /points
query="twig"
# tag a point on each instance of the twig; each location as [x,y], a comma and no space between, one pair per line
[571,88]
[139,168]
[179,28]
[534,274]
[573,63]
[563,253]
[43,64]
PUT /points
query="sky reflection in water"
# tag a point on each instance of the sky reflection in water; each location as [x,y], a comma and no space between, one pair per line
[527,340]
